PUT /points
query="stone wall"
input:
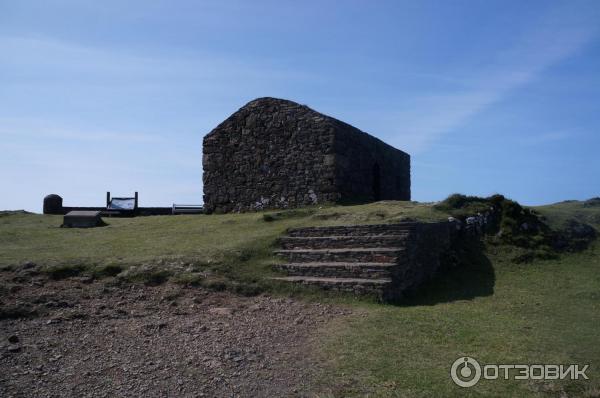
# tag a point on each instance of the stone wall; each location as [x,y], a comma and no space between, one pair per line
[269,154]
[390,261]
[274,153]
[424,255]
[367,169]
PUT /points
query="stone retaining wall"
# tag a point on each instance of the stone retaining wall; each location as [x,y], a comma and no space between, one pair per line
[424,256]
[393,260]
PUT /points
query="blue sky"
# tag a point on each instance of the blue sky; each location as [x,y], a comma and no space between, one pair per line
[486,96]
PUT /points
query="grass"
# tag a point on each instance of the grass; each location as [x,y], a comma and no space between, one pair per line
[491,308]
[231,251]
[496,311]
[557,215]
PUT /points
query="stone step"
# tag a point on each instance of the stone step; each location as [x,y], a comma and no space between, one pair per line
[362,255]
[338,270]
[340,242]
[359,286]
[353,230]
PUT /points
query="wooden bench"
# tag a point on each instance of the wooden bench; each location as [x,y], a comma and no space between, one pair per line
[187,209]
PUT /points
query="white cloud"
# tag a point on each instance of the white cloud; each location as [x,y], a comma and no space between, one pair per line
[428,117]
[42,129]
[56,58]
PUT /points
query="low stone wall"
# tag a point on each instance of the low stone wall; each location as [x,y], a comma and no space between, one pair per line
[424,257]
[141,211]
[154,211]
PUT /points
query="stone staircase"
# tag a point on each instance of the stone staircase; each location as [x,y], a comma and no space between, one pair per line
[360,259]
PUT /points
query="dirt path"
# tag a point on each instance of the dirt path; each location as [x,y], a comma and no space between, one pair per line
[76,338]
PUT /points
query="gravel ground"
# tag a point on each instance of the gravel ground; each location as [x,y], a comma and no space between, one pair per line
[83,338]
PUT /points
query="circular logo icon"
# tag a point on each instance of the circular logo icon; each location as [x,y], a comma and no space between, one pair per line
[465,372]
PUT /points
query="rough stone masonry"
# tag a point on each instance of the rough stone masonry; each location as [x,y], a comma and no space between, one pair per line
[275,153]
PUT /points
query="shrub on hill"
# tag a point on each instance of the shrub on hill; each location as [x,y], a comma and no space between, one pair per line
[593,202]
[509,220]
[511,223]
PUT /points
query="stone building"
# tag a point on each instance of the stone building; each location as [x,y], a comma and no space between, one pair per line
[274,153]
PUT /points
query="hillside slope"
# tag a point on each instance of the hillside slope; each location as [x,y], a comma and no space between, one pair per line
[505,304]
[215,250]
[493,309]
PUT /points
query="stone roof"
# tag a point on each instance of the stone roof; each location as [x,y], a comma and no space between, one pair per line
[283,110]
[272,108]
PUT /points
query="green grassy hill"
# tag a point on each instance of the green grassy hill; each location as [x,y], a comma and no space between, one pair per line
[497,311]
[493,308]
[231,250]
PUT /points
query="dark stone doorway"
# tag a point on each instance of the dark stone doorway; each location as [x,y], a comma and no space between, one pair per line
[376,182]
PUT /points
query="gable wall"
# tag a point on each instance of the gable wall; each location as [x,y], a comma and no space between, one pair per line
[274,156]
